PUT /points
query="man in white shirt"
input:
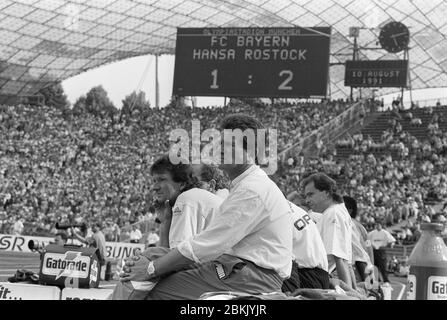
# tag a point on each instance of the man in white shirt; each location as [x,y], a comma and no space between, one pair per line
[18,227]
[213,179]
[310,267]
[362,253]
[135,234]
[247,247]
[335,225]
[152,238]
[380,239]
[183,209]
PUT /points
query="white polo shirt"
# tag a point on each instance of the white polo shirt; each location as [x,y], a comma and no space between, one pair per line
[308,247]
[335,226]
[223,193]
[191,213]
[380,238]
[358,251]
[253,223]
[135,234]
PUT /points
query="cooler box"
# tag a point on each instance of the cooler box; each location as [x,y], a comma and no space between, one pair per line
[69,266]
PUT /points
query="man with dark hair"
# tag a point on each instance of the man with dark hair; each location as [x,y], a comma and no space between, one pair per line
[213,179]
[60,238]
[183,208]
[334,224]
[246,248]
[361,248]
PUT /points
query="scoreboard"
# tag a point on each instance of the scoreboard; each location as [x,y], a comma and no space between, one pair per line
[252,62]
[376,73]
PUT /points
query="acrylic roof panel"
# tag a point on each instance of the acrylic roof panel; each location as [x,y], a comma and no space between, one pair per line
[45,41]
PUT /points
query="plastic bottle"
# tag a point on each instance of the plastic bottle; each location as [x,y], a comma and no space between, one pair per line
[427,279]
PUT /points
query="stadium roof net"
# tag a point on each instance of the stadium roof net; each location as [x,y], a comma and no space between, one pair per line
[46,41]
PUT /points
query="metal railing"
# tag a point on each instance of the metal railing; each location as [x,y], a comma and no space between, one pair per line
[328,132]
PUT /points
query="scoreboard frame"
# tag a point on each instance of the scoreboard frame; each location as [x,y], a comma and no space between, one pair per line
[290,62]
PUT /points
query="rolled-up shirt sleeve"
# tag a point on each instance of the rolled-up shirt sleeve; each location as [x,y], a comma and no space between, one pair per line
[183,224]
[239,215]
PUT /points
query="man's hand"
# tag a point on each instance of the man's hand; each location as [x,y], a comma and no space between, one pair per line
[135,269]
[164,213]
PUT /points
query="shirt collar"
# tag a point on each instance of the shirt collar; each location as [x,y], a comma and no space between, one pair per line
[243,175]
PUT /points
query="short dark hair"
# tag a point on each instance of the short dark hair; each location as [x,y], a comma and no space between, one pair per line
[179,172]
[98,224]
[323,182]
[243,122]
[210,172]
[351,205]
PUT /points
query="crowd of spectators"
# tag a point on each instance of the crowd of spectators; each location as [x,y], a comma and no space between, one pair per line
[61,167]
[397,180]
[58,166]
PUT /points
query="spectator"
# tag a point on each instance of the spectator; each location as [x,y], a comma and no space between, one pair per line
[416,232]
[18,227]
[125,233]
[135,234]
[96,240]
[380,239]
[362,253]
[60,238]
[152,238]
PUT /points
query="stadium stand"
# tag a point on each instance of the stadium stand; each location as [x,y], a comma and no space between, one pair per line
[56,168]
[60,167]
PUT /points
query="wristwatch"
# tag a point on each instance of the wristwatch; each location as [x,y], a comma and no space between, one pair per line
[151,269]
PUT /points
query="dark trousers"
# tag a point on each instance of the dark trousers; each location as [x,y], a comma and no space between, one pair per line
[226,273]
[380,262]
[360,266]
[311,278]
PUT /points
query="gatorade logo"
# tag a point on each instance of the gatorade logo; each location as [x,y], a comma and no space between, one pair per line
[68,264]
[437,288]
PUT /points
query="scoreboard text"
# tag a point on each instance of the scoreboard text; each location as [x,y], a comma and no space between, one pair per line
[378,73]
[263,62]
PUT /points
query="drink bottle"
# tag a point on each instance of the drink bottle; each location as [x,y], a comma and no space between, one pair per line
[427,279]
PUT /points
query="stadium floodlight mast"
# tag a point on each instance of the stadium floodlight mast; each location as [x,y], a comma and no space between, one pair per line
[233,142]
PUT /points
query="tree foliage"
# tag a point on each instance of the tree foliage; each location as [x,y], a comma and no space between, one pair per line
[55,96]
[135,102]
[96,102]
[177,101]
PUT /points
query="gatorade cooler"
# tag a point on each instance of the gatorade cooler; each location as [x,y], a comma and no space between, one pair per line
[69,266]
[427,279]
